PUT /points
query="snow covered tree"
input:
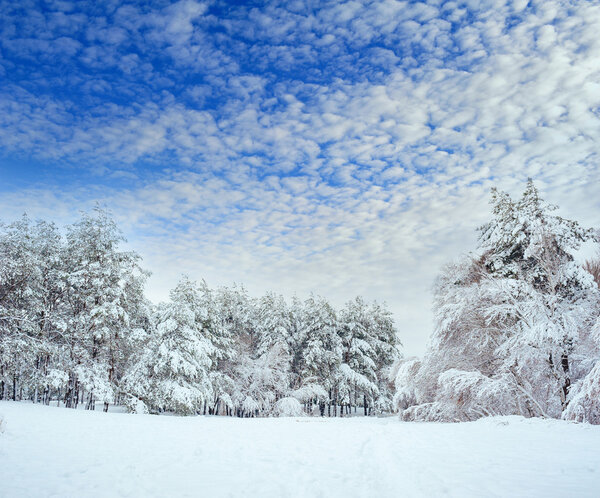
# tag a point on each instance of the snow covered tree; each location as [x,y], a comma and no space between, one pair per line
[386,343]
[261,381]
[103,289]
[530,255]
[584,396]
[30,293]
[172,373]
[321,351]
[509,322]
[584,405]
[274,325]
[216,330]
[263,372]
[358,382]
[238,318]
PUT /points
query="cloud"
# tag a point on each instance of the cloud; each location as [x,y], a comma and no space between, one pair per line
[346,149]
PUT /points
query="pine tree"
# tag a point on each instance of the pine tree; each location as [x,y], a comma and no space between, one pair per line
[172,373]
[30,297]
[103,284]
[321,353]
[358,371]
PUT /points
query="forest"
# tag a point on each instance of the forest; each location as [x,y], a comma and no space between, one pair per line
[517,331]
[75,328]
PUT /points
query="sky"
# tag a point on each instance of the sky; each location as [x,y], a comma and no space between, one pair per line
[342,148]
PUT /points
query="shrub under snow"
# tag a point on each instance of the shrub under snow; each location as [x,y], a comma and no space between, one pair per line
[288,407]
[585,402]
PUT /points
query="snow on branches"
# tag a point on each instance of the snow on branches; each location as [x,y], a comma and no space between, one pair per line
[513,325]
[75,328]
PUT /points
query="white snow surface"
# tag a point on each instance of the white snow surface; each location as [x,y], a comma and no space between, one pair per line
[50,451]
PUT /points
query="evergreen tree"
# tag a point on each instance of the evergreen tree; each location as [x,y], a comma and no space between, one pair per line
[358,371]
[102,287]
[321,353]
[172,373]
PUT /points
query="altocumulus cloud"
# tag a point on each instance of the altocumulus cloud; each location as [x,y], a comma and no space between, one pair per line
[338,147]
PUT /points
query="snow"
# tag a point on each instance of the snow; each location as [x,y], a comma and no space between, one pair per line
[49,451]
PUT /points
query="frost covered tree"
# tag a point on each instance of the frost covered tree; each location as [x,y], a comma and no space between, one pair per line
[173,371]
[274,326]
[103,291]
[75,328]
[31,291]
[369,348]
[509,324]
[320,354]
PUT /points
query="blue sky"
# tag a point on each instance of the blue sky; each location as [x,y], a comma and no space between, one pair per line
[338,147]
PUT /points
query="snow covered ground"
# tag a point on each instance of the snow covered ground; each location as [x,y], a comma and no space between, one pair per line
[49,451]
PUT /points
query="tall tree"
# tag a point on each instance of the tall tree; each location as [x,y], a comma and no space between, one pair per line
[172,372]
[509,322]
[322,351]
[102,288]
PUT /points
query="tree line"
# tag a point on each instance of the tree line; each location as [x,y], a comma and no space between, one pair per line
[76,328]
[517,331]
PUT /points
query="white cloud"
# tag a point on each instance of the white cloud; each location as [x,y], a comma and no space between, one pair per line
[343,185]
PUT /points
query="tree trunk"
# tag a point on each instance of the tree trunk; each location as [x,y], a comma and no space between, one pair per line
[75,394]
[90,403]
[567,382]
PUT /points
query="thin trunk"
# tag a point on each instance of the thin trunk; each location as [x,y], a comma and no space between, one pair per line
[75,394]
[567,382]
[90,403]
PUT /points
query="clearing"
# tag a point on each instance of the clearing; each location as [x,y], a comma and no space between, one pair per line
[49,451]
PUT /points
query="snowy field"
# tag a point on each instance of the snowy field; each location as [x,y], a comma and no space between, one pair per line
[49,451]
